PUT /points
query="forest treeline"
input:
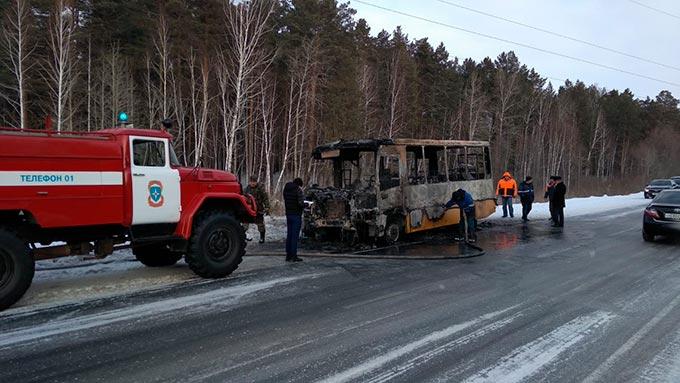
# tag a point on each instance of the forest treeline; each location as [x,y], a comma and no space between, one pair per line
[253,86]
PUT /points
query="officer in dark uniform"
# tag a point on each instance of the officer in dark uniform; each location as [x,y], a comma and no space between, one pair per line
[262,200]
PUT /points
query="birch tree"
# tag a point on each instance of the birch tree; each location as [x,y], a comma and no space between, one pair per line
[396,86]
[60,72]
[162,67]
[16,39]
[242,63]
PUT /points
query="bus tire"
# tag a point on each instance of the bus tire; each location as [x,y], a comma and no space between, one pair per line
[216,246]
[17,268]
[393,231]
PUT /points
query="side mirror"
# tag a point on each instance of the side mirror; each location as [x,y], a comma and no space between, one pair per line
[167,123]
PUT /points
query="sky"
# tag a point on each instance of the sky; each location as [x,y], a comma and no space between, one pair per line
[622,25]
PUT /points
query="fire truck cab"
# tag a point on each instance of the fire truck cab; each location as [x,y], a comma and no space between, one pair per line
[94,192]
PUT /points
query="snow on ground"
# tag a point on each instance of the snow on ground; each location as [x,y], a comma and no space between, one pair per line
[76,279]
[276,229]
[582,206]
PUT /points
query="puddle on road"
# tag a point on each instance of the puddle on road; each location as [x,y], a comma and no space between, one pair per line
[493,236]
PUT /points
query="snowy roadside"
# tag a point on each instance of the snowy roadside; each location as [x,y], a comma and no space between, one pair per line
[581,206]
[75,279]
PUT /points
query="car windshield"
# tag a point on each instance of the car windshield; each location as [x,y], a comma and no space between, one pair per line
[661,183]
[671,197]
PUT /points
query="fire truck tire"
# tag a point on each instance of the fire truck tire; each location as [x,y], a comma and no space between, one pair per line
[217,245]
[156,255]
[17,267]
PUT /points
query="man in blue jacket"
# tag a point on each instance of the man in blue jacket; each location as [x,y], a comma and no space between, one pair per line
[466,204]
[526,196]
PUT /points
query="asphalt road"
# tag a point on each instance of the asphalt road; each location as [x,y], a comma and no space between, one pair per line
[590,303]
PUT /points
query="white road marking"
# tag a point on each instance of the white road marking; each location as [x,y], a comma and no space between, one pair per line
[204,301]
[530,358]
[625,231]
[379,361]
[607,365]
[212,374]
[446,347]
[380,298]
[665,367]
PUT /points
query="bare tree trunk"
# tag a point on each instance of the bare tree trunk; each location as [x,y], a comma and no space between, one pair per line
[89,84]
[162,46]
[396,85]
[246,25]
[151,111]
[15,34]
[368,92]
[200,104]
[59,71]
[506,83]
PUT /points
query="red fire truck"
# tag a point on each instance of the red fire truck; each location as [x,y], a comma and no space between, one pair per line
[93,192]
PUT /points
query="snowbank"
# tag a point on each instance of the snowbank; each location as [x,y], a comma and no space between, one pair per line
[582,206]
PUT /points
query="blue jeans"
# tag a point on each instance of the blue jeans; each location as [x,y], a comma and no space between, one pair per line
[507,205]
[470,216]
[294,225]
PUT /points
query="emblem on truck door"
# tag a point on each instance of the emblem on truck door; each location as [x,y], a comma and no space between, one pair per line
[155,193]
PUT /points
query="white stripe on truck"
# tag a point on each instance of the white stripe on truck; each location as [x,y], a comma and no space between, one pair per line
[61,178]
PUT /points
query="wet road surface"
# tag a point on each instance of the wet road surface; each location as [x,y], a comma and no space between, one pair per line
[592,302]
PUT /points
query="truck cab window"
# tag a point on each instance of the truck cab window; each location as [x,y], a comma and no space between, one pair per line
[148,153]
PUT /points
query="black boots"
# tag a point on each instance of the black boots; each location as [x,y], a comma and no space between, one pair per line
[262,237]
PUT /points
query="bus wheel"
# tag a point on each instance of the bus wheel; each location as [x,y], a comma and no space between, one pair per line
[392,231]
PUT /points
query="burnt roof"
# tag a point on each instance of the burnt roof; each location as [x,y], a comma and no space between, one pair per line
[353,145]
[374,143]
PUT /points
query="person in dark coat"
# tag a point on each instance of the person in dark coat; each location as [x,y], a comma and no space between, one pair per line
[558,202]
[466,204]
[549,192]
[294,201]
[262,202]
[526,196]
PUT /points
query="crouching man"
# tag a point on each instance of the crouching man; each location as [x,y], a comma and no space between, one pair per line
[466,204]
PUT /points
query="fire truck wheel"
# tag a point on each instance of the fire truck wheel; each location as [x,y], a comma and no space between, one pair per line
[16,268]
[156,255]
[217,245]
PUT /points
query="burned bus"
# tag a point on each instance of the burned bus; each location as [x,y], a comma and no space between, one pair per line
[385,188]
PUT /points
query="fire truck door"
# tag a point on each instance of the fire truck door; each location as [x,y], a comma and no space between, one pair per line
[155,185]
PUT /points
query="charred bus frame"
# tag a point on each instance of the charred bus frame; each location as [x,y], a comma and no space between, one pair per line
[383,188]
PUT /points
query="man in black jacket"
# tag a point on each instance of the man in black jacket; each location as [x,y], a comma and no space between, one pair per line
[558,201]
[526,196]
[294,201]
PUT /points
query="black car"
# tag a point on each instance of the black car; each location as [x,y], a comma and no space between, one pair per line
[676,179]
[662,216]
[657,186]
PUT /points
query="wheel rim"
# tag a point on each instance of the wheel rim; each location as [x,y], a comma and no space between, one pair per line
[392,233]
[219,244]
[6,268]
